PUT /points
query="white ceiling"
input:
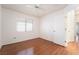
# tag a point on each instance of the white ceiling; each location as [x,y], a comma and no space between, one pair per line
[31,10]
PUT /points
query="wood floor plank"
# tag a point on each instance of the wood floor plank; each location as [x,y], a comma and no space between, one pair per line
[40,47]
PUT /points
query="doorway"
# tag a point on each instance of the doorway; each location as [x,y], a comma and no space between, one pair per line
[77,32]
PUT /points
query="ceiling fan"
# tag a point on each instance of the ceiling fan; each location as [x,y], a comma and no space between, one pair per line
[36,6]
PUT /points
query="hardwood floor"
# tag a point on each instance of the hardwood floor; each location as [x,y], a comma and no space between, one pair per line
[39,47]
[0,51]
[73,48]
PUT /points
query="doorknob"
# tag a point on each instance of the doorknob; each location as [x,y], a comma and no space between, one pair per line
[54,31]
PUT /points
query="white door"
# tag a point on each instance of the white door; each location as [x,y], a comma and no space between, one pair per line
[59,29]
[69,25]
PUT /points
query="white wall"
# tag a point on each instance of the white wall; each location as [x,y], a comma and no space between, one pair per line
[53,26]
[9,19]
[0,27]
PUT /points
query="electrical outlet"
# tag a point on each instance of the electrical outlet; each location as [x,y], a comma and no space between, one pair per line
[14,37]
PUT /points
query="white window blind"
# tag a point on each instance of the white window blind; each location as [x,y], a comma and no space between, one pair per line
[24,26]
[28,26]
[21,26]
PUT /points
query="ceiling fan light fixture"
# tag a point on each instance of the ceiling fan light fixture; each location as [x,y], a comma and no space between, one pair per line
[33,6]
[36,6]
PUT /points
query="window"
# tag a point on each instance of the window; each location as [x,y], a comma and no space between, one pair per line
[28,26]
[24,26]
[21,26]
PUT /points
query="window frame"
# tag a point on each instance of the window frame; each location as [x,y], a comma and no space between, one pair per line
[25,29]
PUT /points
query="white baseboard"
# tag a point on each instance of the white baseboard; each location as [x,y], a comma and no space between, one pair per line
[54,42]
